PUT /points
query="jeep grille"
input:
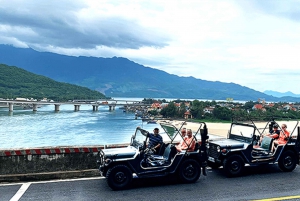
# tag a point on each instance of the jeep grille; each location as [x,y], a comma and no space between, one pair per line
[212,151]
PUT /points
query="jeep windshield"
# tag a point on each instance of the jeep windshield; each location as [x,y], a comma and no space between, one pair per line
[138,140]
[242,130]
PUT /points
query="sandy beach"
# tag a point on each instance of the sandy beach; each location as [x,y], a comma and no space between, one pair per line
[221,129]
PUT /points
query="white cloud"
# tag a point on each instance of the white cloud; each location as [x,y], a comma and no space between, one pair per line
[252,43]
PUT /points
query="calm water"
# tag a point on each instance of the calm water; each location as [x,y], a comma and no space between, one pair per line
[25,128]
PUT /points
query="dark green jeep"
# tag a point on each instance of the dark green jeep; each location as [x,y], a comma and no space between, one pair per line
[244,146]
[121,165]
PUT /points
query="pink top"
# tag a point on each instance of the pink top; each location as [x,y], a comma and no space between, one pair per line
[188,142]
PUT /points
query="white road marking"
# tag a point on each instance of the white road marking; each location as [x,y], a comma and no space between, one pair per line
[20,192]
[52,181]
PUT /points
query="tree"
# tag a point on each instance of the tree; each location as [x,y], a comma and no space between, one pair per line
[222,113]
[169,111]
[249,105]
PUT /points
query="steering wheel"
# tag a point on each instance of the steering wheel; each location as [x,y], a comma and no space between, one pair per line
[149,151]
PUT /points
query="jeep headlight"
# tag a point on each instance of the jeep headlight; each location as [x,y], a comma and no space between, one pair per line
[218,148]
[107,161]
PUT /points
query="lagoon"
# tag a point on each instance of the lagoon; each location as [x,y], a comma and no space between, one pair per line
[43,128]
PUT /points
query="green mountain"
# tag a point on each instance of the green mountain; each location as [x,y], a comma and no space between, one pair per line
[17,82]
[120,77]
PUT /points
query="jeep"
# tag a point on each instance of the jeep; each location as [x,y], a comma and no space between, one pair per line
[120,165]
[242,147]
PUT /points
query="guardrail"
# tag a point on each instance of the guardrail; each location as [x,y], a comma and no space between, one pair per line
[50,162]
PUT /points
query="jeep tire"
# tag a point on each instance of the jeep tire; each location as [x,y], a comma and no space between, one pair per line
[119,177]
[233,165]
[287,161]
[189,171]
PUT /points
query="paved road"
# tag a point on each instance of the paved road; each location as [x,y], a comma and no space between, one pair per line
[257,183]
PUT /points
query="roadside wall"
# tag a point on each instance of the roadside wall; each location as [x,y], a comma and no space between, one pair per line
[28,163]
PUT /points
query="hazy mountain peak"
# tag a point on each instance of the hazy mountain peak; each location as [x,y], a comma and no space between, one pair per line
[280,94]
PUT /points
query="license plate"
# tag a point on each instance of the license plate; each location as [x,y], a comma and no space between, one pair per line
[211,159]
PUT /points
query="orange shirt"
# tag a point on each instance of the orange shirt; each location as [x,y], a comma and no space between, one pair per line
[188,142]
[283,137]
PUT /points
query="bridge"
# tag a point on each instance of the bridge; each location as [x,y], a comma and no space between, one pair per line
[111,103]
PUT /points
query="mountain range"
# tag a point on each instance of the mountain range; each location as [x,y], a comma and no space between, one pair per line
[279,94]
[120,77]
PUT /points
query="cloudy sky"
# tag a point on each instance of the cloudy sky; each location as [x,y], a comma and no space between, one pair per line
[253,43]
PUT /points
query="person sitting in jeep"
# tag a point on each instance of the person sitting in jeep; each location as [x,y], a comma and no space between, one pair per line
[283,137]
[188,143]
[155,139]
[274,133]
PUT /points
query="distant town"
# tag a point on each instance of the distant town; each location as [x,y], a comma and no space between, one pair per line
[222,110]
[203,110]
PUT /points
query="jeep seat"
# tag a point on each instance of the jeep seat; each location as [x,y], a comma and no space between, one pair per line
[166,155]
[266,144]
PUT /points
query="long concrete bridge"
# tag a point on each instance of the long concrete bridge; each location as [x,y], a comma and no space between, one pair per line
[111,103]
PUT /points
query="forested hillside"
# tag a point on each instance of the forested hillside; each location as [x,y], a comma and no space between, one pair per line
[17,82]
[120,77]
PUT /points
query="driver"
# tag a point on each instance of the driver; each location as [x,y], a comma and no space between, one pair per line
[155,139]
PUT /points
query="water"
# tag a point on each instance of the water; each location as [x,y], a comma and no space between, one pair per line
[27,129]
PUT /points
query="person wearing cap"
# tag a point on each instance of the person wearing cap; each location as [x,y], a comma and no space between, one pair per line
[274,133]
[283,137]
[155,139]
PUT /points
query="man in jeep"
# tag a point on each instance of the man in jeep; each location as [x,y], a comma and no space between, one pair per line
[155,139]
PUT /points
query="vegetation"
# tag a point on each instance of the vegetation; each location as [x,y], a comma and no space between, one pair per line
[225,111]
[16,82]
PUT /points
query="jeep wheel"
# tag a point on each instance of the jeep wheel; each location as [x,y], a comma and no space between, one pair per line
[119,177]
[189,171]
[287,161]
[213,165]
[233,166]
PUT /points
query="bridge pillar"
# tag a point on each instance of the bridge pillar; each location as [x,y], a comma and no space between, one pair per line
[113,107]
[76,107]
[109,107]
[10,107]
[34,107]
[95,107]
[56,107]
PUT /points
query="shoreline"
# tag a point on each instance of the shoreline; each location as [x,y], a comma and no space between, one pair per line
[218,129]
[222,129]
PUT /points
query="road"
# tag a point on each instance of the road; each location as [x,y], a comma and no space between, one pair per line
[255,184]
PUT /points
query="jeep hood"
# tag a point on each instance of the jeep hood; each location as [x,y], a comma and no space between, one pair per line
[119,153]
[228,143]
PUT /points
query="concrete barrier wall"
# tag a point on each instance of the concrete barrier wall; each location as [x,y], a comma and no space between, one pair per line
[51,162]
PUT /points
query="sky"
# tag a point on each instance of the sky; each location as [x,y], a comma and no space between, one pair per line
[253,43]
